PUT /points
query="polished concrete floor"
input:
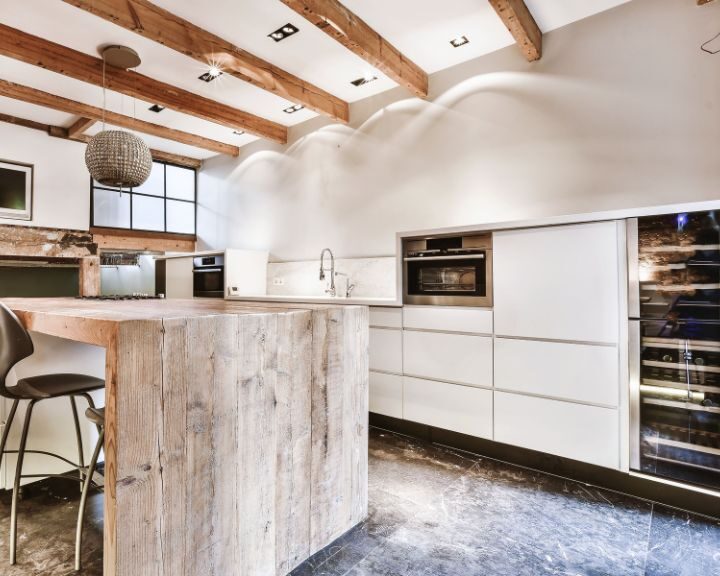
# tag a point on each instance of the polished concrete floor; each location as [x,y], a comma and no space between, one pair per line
[437,512]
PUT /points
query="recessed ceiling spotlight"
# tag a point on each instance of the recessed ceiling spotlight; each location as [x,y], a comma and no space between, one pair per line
[283,32]
[293,109]
[156,108]
[212,73]
[364,80]
[459,41]
[238,132]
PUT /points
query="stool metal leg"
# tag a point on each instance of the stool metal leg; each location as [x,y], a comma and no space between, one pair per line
[78,436]
[16,486]
[83,498]
[6,431]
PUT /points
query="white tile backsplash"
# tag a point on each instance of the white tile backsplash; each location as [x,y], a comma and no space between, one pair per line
[373,277]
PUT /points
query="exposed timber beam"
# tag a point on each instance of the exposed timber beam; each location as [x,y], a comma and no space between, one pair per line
[357,36]
[38,97]
[155,23]
[60,132]
[63,60]
[80,126]
[521,24]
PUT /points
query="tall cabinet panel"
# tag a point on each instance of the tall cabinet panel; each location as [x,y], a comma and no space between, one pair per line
[558,283]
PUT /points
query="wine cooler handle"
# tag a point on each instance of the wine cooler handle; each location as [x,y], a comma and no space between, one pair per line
[631,225]
[634,381]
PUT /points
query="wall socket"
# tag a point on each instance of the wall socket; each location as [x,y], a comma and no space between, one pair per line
[278,281]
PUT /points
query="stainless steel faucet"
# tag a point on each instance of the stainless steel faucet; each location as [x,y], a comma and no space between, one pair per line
[349,287]
[331,290]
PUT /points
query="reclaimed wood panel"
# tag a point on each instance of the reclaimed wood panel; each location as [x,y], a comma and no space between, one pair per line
[45,242]
[89,277]
[236,435]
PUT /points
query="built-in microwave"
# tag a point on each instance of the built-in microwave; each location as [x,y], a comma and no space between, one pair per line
[448,270]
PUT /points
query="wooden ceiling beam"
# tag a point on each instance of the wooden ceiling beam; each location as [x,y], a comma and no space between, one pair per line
[80,126]
[60,132]
[63,60]
[40,98]
[155,23]
[357,36]
[521,24]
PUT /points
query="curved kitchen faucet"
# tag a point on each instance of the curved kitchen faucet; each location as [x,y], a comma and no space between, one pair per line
[331,290]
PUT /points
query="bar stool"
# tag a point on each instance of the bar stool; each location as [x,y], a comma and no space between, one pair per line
[16,345]
[97,417]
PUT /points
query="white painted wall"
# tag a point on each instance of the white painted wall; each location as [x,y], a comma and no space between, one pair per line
[623,110]
[61,182]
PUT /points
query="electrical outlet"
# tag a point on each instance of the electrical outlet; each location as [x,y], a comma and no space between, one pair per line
[278,281]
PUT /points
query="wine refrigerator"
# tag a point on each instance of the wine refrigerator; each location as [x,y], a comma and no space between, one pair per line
[674,337]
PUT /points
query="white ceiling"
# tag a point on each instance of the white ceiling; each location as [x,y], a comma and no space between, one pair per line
[421,29]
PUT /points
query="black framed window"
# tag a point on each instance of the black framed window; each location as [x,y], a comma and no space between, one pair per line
[166,202]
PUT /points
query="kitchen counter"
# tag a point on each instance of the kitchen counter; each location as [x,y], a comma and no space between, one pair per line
[236,434]
[362,301]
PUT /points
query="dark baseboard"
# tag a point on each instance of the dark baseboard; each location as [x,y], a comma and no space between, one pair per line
[674,496]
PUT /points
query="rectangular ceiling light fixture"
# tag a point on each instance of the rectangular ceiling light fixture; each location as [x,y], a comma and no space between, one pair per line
[238,132]
[459,41]
[283,32]
[293,109]
[156,108]
[364,80]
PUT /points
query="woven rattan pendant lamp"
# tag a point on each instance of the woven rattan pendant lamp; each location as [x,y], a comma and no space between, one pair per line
[118,158]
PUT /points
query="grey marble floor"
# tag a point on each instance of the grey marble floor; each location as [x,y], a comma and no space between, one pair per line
[437,512]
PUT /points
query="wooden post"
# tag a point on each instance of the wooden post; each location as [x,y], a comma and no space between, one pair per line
[90,276]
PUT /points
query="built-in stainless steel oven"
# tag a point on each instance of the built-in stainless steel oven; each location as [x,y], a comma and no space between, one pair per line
[209,276]
[448,270]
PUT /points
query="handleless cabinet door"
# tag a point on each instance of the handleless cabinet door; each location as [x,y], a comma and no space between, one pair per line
[385,317]
[386,350]
[449,319]
[453,407]
[449,357]
[559,282]
[585,433]
[576,372]
[386,394]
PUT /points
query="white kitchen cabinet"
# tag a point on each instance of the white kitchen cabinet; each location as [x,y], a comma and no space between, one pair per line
[448,319]
[586,433]
[579,372]
[179,277]
[386,350]
[385,317]
[451,357]
[453,407]
[386,394]
[560,282]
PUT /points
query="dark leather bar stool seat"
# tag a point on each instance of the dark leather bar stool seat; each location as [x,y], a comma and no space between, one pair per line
[54,385]
[15,346]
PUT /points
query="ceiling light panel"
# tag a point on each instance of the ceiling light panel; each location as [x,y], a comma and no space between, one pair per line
[283,32]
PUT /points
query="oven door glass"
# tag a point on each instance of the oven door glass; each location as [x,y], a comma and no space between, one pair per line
[208,282]
[464,277]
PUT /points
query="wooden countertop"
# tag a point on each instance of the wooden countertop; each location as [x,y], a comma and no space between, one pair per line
[96,321]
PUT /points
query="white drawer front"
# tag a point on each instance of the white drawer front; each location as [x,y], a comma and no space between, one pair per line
[385,317]
[452,319]
[386,394]
[386,350]
[450,406]
[450,357]
[569,371]
[586,433]
[558,283]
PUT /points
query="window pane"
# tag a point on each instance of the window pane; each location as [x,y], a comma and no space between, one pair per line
[155,184]
[111,209]
[180,217]
[148,213]
[180,183]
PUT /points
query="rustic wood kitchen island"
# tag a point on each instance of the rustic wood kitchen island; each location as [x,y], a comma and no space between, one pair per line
[236,435]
